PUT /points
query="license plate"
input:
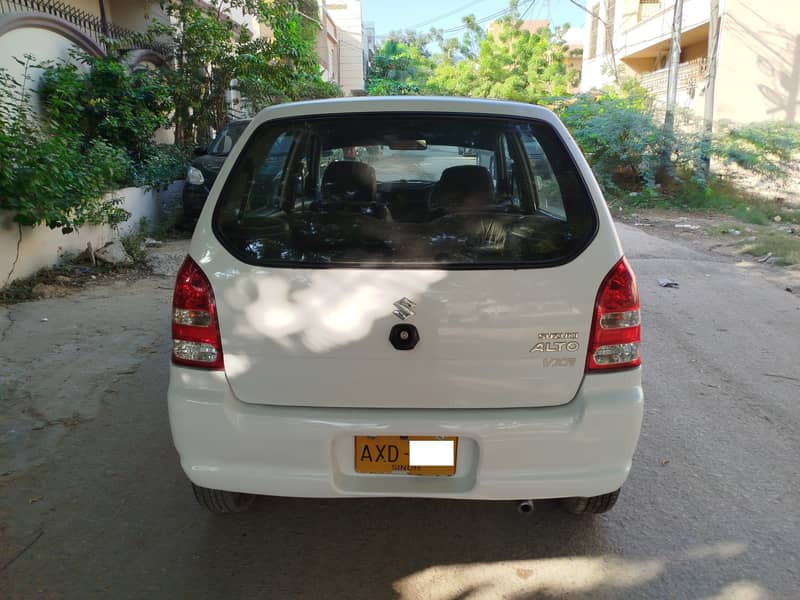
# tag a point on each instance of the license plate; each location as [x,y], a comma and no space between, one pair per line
[415,455]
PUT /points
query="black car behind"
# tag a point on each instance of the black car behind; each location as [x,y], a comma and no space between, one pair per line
[204,169]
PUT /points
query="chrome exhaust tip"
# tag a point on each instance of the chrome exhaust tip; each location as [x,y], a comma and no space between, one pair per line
[525,507]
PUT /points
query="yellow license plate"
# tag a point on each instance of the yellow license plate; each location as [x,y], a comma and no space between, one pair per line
[415,455]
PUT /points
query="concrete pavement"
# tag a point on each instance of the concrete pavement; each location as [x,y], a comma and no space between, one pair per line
[711,510]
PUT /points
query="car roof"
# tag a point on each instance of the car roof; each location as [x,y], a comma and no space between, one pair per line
[400,104]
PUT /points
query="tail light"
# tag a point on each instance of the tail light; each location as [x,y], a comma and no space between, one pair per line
[616,327]
[195,330]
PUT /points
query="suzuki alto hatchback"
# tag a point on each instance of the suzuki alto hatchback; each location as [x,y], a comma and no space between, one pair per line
[426,297]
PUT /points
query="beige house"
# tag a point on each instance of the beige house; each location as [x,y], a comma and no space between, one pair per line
[49,29]
[758,71]
[328,48]
[351,46]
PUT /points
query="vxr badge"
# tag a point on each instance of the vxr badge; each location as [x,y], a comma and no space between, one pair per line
[405,309]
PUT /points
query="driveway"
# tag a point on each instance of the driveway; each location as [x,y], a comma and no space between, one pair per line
[93,502]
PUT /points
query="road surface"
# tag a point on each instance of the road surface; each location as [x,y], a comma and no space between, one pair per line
[711,510]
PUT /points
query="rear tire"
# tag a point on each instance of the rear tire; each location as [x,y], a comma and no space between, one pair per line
[594,505]
[221,502]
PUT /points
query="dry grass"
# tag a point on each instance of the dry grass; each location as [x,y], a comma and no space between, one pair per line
[69,276]
[780,242]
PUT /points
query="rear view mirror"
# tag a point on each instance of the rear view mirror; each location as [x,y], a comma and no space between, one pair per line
[408,145]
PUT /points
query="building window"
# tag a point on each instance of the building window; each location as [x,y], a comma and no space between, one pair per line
[591,51]
[611,13]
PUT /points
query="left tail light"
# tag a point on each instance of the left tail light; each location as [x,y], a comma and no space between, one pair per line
[196,340]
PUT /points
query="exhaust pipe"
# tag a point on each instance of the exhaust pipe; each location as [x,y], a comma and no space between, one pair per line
[525,507]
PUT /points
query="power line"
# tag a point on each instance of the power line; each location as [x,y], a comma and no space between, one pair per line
[445,15]
[482,20]
[530,6]
[497,15]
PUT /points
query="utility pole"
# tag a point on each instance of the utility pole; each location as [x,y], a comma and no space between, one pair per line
[704,164]
[672,88]
[608,24]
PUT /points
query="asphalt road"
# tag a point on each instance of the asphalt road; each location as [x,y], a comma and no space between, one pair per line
[711,510]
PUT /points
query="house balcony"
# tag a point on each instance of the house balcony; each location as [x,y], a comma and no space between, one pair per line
[96,26]
[645,10]
[690,77]
[653,30]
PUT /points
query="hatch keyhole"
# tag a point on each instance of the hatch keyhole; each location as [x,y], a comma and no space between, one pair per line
[404,336]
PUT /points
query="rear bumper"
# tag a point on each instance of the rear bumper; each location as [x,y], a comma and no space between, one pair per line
[583,448]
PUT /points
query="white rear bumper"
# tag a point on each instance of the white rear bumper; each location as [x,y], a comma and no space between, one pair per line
[583,448]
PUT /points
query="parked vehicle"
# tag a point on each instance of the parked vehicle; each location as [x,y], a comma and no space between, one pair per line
[417,322]
[204,169]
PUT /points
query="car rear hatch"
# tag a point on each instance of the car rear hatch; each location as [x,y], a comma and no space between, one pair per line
[309,293]
[487,338]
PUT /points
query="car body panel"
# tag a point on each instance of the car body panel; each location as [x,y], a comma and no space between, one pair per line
[583,448]
[488,338]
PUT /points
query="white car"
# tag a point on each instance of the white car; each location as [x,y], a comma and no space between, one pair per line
[383,314]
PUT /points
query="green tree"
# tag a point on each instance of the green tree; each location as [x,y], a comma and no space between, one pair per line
[514,65]
[399,68]
[211,53]
[284,67]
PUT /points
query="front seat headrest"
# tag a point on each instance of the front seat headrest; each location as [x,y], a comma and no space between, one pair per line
[349,181]
[464,187]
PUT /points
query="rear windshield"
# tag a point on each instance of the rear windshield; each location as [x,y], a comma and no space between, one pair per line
[224,142]
[405,190]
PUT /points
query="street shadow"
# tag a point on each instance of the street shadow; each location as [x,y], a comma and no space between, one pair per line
[442,550]
[366,548]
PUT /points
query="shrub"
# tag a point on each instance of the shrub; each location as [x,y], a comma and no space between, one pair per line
[619,135]
[107,101]
[133,242]
[767,149]
[161,165]
[52,176]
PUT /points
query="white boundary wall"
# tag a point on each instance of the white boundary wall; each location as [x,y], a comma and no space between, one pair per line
[44,247]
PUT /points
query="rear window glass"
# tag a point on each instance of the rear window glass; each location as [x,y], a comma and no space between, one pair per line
[224,142]
[404,191]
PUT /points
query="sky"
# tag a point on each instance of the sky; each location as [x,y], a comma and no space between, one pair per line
[392,15]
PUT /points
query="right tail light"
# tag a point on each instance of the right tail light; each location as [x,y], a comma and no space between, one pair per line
[616,326]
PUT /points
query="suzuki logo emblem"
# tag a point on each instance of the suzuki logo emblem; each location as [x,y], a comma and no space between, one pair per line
[405,309]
